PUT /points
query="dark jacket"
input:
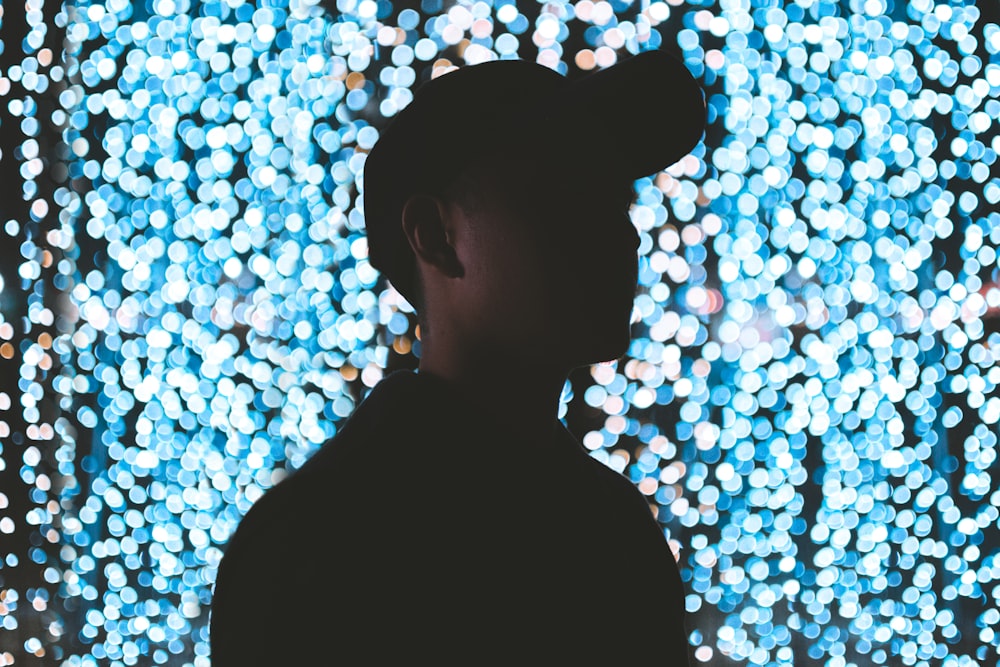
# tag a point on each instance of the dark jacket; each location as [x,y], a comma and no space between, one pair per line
[424,534]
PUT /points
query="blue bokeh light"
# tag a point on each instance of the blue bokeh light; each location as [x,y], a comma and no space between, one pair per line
[810,402]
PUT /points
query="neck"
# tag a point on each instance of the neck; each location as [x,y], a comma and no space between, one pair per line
[511,389]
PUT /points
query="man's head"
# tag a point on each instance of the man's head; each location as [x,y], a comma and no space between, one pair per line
[497,201]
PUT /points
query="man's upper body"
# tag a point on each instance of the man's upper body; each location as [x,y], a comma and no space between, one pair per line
[453,519]
[427,533]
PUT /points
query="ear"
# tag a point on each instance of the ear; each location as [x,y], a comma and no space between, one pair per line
[428,226]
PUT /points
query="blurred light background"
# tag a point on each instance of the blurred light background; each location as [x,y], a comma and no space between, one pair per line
[810,403]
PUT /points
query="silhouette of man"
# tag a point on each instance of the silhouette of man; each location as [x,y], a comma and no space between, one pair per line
[453,519]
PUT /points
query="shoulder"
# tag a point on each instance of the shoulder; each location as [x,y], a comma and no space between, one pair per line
[612,481]
[272,554]
[376,448]
[314,547]
[280,523]
[331,480]
[285,553]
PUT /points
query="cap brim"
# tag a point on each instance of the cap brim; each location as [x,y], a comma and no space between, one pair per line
[641,115]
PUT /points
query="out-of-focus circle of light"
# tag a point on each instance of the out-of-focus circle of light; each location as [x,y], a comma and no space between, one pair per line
[810,403]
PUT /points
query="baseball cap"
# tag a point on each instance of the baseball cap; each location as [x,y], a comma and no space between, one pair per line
[634,119]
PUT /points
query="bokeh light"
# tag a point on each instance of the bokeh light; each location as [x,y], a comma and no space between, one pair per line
[810,402]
